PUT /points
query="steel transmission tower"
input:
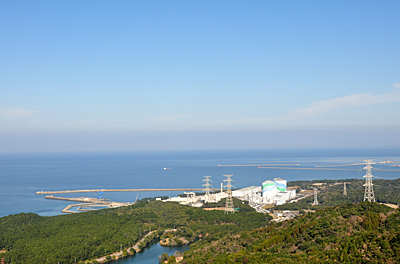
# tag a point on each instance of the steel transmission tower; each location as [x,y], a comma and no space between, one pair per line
[344,189]
[229,202]
[315,196]
[207,189]
[369,190]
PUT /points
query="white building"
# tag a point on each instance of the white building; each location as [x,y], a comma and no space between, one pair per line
[292,194]
[269,190]
[276,191]
[246,192]
[281,184]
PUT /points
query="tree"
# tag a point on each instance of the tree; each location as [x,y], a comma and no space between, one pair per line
[163,257]
[178,254]
[172,259]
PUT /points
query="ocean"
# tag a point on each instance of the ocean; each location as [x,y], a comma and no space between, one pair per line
[22,175]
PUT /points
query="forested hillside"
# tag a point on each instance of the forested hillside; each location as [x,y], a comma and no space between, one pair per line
[351,233]
[29,238]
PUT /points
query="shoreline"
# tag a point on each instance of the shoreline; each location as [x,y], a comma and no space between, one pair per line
[119,254]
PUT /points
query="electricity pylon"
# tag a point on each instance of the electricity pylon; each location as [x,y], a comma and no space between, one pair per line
[229,202]
[207,189]
[369,190]
[315,196]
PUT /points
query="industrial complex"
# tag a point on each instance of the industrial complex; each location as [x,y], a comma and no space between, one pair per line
[270,192]
[273,192]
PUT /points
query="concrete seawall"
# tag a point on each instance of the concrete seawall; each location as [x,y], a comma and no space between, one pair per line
[122,190]
[86,202]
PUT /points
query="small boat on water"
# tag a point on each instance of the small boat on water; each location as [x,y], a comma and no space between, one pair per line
[167,168]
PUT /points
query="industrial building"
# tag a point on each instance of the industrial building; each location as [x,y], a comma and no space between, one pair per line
[246,192]
[270,192]
[276,192]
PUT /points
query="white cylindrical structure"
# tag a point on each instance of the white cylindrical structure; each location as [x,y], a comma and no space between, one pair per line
[268,190]
[281,184]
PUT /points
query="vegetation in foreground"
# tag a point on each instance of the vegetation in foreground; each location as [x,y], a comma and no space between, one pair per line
[30,238]
[351,233]
[343,229]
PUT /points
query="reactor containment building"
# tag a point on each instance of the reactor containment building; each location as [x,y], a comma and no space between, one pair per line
[276,192]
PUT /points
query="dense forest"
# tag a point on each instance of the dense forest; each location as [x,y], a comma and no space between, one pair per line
[351,233]
[86,236]
[343,229]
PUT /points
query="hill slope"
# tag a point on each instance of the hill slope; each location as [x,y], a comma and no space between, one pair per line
[30,238]
[351,233]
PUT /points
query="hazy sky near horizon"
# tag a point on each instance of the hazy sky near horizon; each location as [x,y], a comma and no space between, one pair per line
[130,75]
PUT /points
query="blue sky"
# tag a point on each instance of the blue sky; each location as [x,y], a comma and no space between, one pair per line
[146,75]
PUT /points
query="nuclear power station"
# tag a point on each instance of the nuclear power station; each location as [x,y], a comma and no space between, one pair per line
[273,192]
[269,192]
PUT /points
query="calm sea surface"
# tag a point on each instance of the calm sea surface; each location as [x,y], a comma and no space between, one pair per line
[24,174]
[21,175]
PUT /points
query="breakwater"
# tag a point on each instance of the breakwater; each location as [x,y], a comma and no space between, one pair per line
[122,190]
[85,202]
